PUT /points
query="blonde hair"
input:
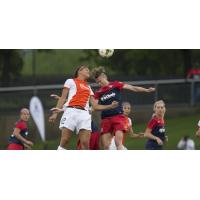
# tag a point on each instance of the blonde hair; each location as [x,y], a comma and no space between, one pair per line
[126,103]
[97,71]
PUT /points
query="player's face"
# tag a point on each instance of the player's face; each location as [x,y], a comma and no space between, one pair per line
[101,80]
[25,115]
[160,109]
[126,109]
[85,72]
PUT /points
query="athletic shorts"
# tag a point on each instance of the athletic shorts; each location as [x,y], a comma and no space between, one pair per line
[113,124]
[14,146]
[75,119]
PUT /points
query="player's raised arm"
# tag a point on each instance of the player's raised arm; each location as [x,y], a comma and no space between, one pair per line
[99,107]
[138,89]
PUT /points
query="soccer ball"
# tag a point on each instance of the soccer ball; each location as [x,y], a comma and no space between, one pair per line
[106,53]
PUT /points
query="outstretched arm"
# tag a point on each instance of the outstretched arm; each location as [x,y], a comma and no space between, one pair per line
[99,107]
[138,89]
[135,135]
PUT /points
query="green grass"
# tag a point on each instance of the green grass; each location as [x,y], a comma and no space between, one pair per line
[176,128]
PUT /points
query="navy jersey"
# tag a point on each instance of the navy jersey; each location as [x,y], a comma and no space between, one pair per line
[106,95]
[157,127]
[23,132]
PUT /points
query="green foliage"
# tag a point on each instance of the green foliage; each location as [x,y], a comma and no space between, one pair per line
[11,64]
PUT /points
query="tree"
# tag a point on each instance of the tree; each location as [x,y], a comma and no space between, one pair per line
[11,64]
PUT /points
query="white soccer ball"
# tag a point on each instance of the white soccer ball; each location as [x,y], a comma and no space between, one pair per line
[106,53]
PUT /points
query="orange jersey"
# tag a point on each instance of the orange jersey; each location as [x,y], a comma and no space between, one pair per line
[79,93]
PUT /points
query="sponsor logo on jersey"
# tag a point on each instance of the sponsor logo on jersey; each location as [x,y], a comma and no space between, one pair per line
[108,96]
[161,130]
[83,87]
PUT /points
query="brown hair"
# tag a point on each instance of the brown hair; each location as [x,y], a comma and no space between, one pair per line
[79,69]
[97,71]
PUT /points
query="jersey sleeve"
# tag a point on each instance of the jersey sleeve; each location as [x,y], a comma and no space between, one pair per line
[96,95]
[118,84]
[68,83]
[199,124]
[151,124]
[20,125]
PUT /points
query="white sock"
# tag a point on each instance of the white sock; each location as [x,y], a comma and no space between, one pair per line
[60,148]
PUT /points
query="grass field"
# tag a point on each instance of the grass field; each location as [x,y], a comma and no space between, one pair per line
[176,128]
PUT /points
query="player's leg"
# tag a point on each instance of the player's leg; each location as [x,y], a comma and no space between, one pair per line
[112,144]
[84,136]
[65,138]
[119,140]
[106,139]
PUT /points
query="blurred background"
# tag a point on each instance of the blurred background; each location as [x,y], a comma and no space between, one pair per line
[40,72]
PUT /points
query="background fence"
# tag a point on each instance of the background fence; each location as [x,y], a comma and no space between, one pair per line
[177,91]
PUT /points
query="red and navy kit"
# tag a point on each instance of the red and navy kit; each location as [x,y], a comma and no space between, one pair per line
[94,139]
[113,119]
[14,143]
[157,127]
[106,95]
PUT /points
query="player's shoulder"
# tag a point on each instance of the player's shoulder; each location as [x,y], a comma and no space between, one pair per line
[20,124]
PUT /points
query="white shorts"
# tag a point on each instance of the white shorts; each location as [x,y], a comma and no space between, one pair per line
[113,145]
[75,119]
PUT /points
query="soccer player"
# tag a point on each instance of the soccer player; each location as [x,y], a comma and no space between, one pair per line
[126,106]
[94,138]
[155,131]
[198,131]
[76,116]
[18,140]
[113,120]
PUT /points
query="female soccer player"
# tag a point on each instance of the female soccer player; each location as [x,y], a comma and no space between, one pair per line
[18,140]
[126,106]
[155,131]
[94,138]
[76,116]
[113,120]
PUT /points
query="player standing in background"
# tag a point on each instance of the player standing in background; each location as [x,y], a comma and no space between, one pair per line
[126,106]
[113,120]
[155,131]
[18,140]
[76,116]
[198,130]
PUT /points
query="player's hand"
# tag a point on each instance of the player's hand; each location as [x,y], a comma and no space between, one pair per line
[141,135]
[114,104]
[55,96]
[159,141]
[151,89]
[29,143]
[56,110]
[53,117]
[27,146]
